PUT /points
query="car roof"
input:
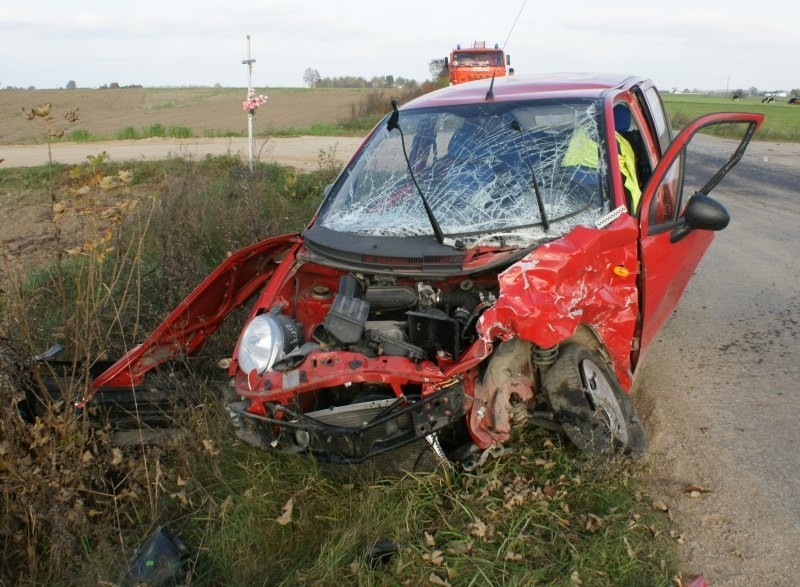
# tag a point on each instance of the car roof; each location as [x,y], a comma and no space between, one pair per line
[527,87]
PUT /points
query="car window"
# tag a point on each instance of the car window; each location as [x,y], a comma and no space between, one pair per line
[479,167]
[659,118]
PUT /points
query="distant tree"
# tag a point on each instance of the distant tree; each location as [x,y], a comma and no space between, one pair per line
[752,90]
[113,85]
[795,92]
[738,93]
[71,85]
[437,68]
[311,77]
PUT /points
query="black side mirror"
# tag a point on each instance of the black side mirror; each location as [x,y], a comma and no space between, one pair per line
[703,213]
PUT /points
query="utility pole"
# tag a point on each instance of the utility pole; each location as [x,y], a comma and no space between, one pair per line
[251,114]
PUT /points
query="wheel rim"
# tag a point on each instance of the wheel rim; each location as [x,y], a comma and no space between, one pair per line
[603,400]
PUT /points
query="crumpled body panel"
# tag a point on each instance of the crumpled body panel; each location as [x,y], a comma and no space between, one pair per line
[586,277]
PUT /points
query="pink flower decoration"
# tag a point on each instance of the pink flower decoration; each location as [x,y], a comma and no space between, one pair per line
[253,101]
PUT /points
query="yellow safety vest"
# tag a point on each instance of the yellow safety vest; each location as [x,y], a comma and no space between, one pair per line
[583,150]
[627,165]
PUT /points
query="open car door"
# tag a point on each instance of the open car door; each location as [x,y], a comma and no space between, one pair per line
[677,217]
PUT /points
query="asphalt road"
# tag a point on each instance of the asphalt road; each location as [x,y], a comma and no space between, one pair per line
[720,389]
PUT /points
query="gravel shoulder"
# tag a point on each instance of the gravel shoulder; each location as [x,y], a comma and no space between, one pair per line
[300,152]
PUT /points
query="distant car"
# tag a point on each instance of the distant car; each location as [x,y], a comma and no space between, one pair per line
[481,263]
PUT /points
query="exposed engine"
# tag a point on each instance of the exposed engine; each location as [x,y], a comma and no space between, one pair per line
[420,324]
[377,316]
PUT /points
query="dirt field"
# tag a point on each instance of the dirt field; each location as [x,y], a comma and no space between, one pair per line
[204,110]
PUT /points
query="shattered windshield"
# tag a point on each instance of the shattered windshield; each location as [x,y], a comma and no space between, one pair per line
[476,165]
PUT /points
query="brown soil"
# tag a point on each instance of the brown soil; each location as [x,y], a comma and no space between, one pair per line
[204,110]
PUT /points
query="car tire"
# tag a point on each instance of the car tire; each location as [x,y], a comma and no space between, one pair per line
[590,404]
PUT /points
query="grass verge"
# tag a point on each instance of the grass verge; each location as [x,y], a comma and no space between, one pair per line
[781,123]
[541,514]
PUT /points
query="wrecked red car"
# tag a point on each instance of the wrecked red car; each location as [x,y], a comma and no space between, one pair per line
[495,254]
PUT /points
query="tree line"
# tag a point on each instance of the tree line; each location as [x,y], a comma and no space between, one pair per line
[313,79]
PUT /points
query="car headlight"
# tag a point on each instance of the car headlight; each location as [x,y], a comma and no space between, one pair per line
[266,340]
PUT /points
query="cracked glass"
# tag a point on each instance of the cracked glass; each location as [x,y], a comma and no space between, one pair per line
[479,167]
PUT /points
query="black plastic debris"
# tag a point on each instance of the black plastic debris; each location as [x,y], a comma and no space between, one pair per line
[161,561]
[380,553]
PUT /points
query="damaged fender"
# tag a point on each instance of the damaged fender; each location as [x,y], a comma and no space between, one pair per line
[587,277]
[184,331]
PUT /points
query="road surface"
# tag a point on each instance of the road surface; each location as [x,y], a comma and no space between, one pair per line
[300,152]
[719,391]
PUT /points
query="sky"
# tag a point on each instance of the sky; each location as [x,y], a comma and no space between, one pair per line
[702,44]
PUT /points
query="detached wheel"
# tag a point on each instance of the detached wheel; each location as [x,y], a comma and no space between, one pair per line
[588,401]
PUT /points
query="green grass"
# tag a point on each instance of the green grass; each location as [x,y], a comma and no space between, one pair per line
[543,514]
[79,135]
[213,133]
[781,123]
[156,130]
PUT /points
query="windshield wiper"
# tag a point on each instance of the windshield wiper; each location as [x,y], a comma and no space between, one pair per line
[390,126]
[539,202]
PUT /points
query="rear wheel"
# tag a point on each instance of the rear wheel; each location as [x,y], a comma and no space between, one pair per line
[588,401]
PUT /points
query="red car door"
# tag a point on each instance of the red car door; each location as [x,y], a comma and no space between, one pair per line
[670,247]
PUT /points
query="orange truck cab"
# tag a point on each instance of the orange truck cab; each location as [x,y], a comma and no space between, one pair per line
[476,62]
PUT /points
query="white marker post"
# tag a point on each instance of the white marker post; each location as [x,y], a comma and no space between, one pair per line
[251,114]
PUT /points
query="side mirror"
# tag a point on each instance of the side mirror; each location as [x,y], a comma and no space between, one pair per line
[702,213]
[508,59]
[446,63]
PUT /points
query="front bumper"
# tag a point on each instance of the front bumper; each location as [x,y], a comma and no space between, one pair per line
[353,433]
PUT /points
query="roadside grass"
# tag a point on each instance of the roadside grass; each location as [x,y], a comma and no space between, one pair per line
[542,514]
[156,130]
[781,123]
[79,135]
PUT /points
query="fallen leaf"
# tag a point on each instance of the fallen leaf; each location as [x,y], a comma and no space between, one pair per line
[575,579]
[696,491]
[429,541]
[437,580]
[87,457]
[660,505]
[478,529]
[286,517]
[435,557]
[512,557]
[594,523]
[116,456]
[209,446]
[629,548]
[108,183]
[181,496]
